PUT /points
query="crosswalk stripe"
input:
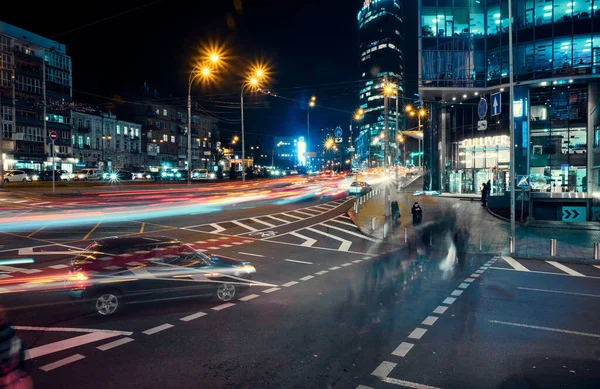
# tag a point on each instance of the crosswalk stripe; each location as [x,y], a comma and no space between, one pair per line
[293,216]
[516,265]
[345,246]
[303,213]
[565,269]
[262,222]
[350,232]
[278,219]
[343,222]
[244,226]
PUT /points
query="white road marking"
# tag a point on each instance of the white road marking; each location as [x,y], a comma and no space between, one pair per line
[217,228]
[343,222]
[322,208]
[114,344]
[407,384]
[226,245]
[293,216]
[223,238]
[66,344]
[62,362]
[357,261]
[383,369]
[546,329]
[213,240]
[345,217]
[291,283]
[200,242]
[474,275]
[156,329]
[307,278]
[351,232]
[440,310]
[262,222]
[141,272]
[597,266]
[544,272]
[366,258]
[320,273]
[403,349]
[222,306]
[244,226]
[58,267]
[449,300]
[302,213]
[334,268]
[429,320]
[456,292]
[516,265]
[469,279]
[250,254]
[296,261]
[560,292]
[417,333]
[464,285]
[364,387]
[193,316]
[345,246]
[11,269]
[248,298]
[308,242]
[345,264]
[66,329]
[278,219]
[271,290]
[479,271]
[565,269]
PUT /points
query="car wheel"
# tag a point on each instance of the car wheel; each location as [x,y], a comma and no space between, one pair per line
[6,181]
[24,180]
[107,303]
[226,292]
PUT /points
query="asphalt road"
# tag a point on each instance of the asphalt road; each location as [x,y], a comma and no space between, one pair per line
[333,309]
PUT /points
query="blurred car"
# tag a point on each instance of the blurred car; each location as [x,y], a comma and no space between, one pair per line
[16,176]
[46,175]
[202,174]
[327,174]
[139,269]
[65,175]
[118,175]
[290,172]
[359,188]
[332,193]
[89,174]
[143,175]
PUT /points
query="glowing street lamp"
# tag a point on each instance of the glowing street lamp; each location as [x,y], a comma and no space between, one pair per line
[311,104]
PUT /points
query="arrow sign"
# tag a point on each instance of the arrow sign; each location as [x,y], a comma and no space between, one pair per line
[573,214]
[496,104]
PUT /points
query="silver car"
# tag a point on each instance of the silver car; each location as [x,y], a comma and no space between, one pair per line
[16,176]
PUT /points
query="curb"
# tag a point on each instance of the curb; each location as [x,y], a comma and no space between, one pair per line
[362,230]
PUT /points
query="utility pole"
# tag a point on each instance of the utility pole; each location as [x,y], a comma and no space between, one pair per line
[386,137]
[512,242]
[1,143]
[397,148]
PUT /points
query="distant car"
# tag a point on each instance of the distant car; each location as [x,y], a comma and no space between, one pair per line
[327,174]
[359,188]
[332,193]
[16,176]
[290,172]
[117,175]
[88,174]
[202,174]
[46,175]
[114,271]
[143,175]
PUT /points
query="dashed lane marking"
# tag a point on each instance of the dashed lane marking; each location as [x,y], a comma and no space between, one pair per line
[222,306]
[193,316]
[307,278]
[62,362]
[114,344]
[429,320]
[346,264]
[440,310]
[417,333]
[565,269]
[464,285]
[271,290]
[66,344]
[320,273]
[159,328]
[249,297]
[297,261]
[456,292]
[469,279]
[334,268]
[403,349]
[449,300]
[357,261]
[291,283]
[250,254]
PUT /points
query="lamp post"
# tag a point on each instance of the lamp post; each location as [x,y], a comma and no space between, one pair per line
[311,104]
[388,90]
[257,74]
[203,71]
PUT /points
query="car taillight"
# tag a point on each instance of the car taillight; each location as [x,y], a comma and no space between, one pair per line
[78,276]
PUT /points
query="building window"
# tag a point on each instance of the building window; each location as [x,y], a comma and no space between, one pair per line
[125,130]
[88,141]
[165,112]
[137,132]
[118,129]
[165,138]
[172,138]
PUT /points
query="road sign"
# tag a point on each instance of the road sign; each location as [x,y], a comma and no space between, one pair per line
[482,125]
[311,154]
[53,135]
[496,104]
[573,214]
[350,149]
[482,108]
[338,140]
[355,162]
[338,132]
[523,182]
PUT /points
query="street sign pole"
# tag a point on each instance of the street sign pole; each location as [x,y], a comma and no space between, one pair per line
[53,168]
[511,128]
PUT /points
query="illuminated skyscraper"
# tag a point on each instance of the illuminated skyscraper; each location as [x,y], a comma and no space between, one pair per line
[381,31]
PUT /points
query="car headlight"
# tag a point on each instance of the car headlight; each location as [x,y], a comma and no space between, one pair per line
[212,175]
[178,175]
[105,175]
[163,174]
[113,176]
[249,269]
[35,177]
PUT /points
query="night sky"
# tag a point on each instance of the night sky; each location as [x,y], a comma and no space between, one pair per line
[312,47]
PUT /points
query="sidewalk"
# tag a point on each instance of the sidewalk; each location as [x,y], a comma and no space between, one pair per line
[487,234]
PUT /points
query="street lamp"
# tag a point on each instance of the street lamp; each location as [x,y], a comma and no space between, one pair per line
[204,71]
[311,104]
[258,72]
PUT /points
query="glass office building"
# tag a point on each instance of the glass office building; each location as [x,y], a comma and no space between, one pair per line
[464,57]
[381,31]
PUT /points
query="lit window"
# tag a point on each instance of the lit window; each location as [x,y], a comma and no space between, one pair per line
[166,138]
[165,112]
[124,130]
[172,138]
[118,129]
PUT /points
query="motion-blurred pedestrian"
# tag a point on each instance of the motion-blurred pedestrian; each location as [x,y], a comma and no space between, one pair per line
[417,214]
[12,357]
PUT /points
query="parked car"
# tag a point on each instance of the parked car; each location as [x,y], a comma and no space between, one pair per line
[89,174]
[202,174]
[46,175]
[16,176]
[143,175]
[118,175]
[359,188]
[114,271]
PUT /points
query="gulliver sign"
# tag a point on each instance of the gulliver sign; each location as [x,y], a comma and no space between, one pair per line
[488,141]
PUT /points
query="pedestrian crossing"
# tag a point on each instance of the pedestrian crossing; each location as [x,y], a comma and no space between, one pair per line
[548,267]
[338,233]
[262,226]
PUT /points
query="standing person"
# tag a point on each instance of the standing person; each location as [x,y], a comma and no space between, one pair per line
[12,357]
[485,191]
[417,214]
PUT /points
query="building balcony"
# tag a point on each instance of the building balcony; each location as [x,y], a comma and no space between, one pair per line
[30,122]
[19,55]
[83,129]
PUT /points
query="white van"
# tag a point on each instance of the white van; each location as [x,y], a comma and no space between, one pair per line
[90,174]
